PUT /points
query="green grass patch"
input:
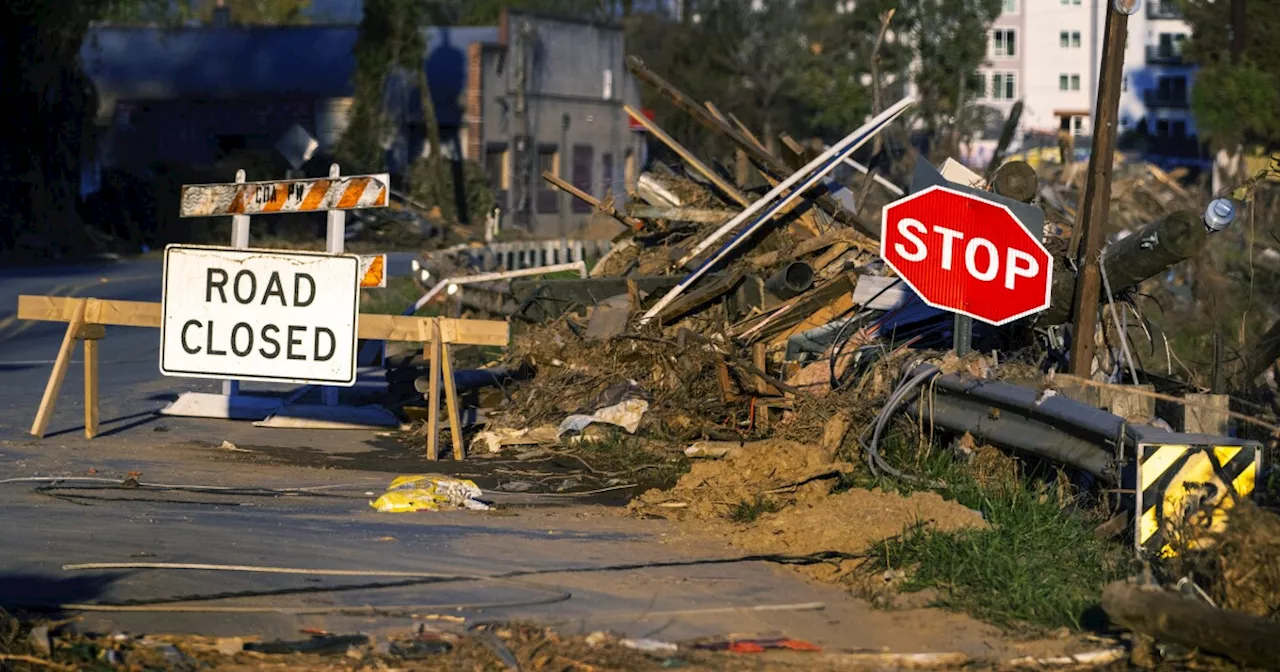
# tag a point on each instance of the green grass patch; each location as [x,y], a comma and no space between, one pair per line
[748,511]
[1038,566]
[399,294]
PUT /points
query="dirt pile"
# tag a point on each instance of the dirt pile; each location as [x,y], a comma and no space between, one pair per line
[852,520]
[782,471]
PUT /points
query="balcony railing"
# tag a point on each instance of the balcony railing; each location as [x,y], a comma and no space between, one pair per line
[1168,55]
[1156,9]
[1157,99]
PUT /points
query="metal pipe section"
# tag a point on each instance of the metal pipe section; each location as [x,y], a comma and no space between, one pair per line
[791,280]
[579,266]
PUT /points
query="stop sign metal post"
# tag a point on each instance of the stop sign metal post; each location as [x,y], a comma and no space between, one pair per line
[967,255]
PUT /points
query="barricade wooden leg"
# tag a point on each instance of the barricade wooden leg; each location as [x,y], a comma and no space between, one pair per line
[91,387]
[433,395]
[45,414]
[451,400]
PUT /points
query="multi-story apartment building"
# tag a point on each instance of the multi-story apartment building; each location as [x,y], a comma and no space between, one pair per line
[1048,53]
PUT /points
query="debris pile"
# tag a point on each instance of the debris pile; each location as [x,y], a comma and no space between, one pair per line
[747,321]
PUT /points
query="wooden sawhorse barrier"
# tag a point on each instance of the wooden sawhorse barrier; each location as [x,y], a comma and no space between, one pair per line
[87,319]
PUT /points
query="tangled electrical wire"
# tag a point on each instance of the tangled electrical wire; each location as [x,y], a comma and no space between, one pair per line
[878,465]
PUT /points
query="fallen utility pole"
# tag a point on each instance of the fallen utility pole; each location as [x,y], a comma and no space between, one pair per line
[1133,260]
[1180,619]
[1091,221]
[755,150]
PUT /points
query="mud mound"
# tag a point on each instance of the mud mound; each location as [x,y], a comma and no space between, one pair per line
[1240,564]
[851,521]
[784,470]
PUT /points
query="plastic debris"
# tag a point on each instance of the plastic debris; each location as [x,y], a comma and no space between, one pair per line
[429,492]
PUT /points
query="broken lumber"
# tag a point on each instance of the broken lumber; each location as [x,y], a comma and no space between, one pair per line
[795,311]
[592,201]
[696,215]
[702,168]
[1180,619]
[753,149]
[852,238]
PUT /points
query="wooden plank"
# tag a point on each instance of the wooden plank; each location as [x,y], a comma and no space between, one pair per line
[59,373]
[709,292]
[433,393]
[794,311]
[372,327]
[824,315]
[853,238]
[657,132]
[451,402]
[91,387]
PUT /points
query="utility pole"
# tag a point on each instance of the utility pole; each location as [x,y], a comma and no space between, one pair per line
[1237,30]
[1091,222]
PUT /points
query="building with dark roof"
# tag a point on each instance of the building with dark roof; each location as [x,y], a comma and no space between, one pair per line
[529,95]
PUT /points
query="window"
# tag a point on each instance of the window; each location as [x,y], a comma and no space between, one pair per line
[1162,128]
[1075,39]
[1179,129]
[1063,82]
[1010,7]
[606,174]
[1075,82]
[583,158]
[1171,89]
[495,166]
[548,195]
[1069,39]
[1003,86]
[1077,125]
[1002,43]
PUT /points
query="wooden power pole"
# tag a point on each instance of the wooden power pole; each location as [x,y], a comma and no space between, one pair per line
[1091,222]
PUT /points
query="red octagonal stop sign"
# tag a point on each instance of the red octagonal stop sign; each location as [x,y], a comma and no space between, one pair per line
[966,255]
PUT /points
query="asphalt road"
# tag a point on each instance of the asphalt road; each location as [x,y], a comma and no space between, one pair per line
[555,559]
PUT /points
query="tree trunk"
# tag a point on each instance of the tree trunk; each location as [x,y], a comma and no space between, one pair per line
[48,100]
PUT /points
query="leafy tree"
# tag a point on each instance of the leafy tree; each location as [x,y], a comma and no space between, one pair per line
[48,100]
[252,12]
[1235,100]
[486,12]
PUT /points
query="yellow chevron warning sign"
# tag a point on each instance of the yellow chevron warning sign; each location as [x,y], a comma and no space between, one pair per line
[1181,488]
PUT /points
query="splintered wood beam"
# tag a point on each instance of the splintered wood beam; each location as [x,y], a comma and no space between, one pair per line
[754,149]
[592,201]
[702,168]
[147,314]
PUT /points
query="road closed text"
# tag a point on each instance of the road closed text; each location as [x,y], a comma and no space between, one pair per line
[293,341]
[260,315]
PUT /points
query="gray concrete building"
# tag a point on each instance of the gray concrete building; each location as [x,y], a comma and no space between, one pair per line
[548,97]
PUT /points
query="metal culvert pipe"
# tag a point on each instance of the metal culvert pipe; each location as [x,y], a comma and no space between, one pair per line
[791,280]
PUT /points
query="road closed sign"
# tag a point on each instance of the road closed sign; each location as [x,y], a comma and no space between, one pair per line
[264,315]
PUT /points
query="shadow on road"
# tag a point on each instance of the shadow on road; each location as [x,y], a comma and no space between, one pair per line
[139,419]
[46,594]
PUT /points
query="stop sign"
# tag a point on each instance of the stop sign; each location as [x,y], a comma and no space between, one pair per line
[967,255]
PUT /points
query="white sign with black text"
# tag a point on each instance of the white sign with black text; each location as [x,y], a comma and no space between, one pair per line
[263,315]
